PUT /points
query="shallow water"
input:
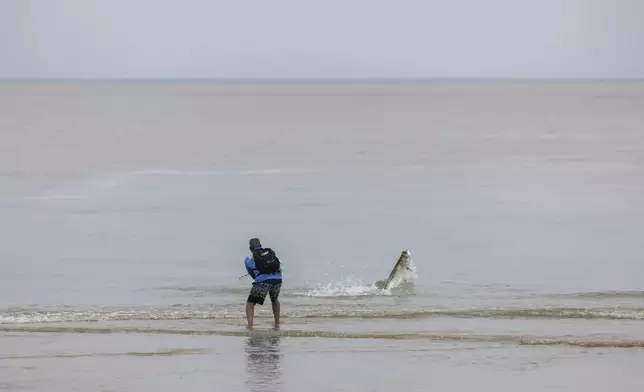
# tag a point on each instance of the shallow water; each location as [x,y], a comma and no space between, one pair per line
[127,209]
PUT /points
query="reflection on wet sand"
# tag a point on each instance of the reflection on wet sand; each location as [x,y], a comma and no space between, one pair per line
[263,363]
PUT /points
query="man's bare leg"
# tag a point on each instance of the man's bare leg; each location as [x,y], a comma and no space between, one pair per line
[276,311]
[250,313]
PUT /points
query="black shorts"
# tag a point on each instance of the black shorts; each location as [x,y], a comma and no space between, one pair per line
[260,289]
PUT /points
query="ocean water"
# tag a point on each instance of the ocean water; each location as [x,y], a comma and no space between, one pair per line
[126,209]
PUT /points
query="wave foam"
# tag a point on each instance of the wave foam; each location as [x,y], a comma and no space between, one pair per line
[604,294]
[316,311]
[38,317]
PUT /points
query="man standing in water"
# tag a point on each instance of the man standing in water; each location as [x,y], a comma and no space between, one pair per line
[266,270]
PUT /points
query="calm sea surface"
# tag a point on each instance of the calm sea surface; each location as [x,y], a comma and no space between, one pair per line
[126,209]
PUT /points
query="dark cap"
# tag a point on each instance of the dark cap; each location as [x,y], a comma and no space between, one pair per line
[254,244]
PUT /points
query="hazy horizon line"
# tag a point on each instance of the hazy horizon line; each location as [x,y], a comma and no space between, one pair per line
[317,80]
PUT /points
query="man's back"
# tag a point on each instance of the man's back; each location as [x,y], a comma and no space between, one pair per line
[256,275]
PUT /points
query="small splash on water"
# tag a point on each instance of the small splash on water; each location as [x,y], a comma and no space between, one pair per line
[411,276]
[84,190]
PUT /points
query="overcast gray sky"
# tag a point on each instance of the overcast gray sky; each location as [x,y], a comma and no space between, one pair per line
[321,39]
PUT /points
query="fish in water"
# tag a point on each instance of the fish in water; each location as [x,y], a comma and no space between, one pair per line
[399,273]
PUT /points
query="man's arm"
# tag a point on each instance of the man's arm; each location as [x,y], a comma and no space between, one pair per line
[250,265]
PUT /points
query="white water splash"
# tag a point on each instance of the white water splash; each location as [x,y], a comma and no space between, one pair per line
[348,287]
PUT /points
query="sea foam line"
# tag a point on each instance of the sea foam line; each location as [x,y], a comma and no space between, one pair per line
[348,312]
